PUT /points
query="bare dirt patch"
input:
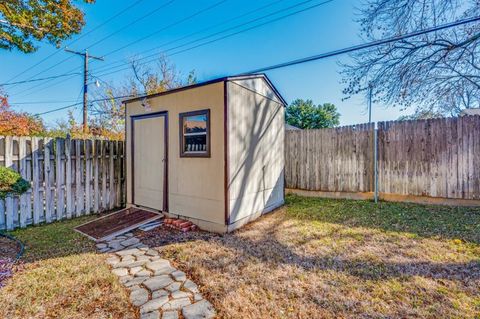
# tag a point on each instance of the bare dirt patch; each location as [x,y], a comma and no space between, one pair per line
[9,250]
[319,258]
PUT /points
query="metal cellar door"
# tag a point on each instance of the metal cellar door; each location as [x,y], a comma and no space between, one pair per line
[149,161]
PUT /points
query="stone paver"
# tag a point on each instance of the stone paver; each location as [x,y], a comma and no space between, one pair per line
[150,315]
[170,315]
[154,304]
[120,272]
[158,289]
[139,296]
[176,304]
[158,282]
[199,310]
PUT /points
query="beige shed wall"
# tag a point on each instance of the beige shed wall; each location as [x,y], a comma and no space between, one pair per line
[256,130]
[195,185]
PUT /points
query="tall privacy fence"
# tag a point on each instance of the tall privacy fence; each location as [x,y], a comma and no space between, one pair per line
[431,158]
[69,178]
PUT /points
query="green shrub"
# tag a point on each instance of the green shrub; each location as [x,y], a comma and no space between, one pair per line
[11,183]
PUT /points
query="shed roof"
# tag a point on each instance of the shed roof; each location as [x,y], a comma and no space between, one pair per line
[222,79]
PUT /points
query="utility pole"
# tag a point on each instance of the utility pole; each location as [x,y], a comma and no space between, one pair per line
[370,103]
[86,57]
[375,143]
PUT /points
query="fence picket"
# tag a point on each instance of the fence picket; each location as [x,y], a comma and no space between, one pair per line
[22,154]
[88,176]
[96,191]
[111,175]
[79,196]
[37,202]
[47,190]
[68,177]
[60,177]
[9,199]
[104,175]
[2,214]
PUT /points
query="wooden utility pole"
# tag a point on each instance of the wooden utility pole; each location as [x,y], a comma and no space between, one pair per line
[86,57]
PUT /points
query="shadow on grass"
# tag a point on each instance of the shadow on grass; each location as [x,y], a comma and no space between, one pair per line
[421,221]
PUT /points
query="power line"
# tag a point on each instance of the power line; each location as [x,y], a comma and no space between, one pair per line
[57,109]
[42,86]
[39,79]
[77,39]
[231,34]
[363,46]
[43,102]
[79,103]
[106,37]
[99,41]
[169,26]
[132,23]
[108,66]
[328,54]
[366,45]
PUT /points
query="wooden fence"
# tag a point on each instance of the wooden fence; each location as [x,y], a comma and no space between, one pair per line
[69,178]
[330,160]
[430,158]
[435,158]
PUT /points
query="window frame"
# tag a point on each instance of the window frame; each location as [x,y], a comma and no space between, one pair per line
[181,118]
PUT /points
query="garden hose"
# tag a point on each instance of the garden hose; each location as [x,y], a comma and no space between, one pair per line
[22,247]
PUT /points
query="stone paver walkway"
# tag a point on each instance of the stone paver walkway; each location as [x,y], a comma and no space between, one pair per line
[157,288]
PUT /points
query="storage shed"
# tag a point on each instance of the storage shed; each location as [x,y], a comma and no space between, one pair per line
[211,152]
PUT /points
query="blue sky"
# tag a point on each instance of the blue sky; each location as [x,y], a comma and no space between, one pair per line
[327,27]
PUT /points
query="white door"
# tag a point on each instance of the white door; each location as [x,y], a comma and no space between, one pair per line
[149,161]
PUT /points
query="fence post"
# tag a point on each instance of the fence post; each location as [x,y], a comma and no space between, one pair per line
[60,177]
[47,173]
[375,159]
[22,161]
[68,177]
[9,199]
[88,176]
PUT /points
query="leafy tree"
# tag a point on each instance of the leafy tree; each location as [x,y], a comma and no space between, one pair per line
[24,21]
[18,123]
[438,71]
[306,115]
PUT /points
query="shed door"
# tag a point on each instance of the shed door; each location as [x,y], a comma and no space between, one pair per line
[150,161]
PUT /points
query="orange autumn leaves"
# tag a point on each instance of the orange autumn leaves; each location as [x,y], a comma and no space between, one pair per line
[18,123]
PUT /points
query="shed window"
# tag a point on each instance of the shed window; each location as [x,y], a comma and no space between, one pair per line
[195,134]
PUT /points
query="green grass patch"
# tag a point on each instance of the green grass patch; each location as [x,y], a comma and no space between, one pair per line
[62,277]
[462,223]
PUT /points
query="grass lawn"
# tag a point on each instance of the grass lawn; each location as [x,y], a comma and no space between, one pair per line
[323,258]
[62,277]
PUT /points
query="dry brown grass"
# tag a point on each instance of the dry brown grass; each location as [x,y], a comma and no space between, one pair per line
[62,277]
[338,259]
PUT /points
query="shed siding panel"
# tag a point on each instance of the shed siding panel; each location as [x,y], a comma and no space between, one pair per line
[195,185]
[256,133]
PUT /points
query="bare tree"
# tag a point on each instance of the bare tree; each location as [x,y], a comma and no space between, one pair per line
[109,112]
[438,72]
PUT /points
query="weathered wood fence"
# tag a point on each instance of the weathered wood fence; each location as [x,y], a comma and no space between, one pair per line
[430,158]
[69,178]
